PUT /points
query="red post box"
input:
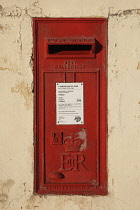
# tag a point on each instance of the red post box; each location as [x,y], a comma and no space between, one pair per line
[70,106]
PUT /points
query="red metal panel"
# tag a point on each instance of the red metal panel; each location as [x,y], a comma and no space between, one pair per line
[70,158]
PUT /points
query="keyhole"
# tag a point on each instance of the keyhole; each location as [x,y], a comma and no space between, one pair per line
[55,137]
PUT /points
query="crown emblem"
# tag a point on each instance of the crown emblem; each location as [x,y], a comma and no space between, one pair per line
[72,144]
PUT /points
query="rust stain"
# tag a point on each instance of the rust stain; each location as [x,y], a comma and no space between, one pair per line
[5,187]
[1,28]
[31,202]
[6,66]
[24,90]
[82,203]
[3,198]
[110,130]
[8,183]
[2,69]
[138,11]
[31,153]
[138,67]
[8,69]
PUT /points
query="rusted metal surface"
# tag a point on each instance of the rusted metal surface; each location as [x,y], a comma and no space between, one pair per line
[70,158]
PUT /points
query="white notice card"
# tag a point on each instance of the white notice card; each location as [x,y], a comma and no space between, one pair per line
[69,103]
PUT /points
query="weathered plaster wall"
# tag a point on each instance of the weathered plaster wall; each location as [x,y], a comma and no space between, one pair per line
[16,103]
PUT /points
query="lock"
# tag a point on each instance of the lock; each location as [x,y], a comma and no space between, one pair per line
[70,106]
[57,137]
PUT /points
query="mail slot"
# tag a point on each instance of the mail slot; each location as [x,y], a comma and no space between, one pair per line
[70,112]
[64,47]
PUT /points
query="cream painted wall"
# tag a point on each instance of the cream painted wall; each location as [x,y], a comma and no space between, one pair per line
[16,103]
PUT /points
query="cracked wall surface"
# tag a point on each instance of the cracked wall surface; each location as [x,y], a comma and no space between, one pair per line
[16,84]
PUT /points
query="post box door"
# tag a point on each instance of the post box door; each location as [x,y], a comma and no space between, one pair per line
[72,150]
[70,106]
